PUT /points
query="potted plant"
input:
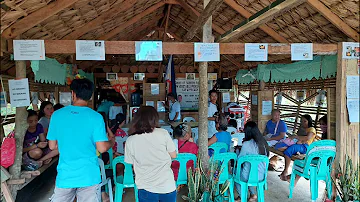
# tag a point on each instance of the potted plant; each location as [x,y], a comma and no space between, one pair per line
[202,185]
[347,181]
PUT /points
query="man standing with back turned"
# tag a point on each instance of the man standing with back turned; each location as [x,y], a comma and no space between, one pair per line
[78,131]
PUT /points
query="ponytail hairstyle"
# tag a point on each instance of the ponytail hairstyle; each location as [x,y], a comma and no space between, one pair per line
[42,108]
[120,118]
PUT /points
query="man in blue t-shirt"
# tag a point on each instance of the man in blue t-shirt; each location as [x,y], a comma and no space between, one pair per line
[275,128]
[77,132]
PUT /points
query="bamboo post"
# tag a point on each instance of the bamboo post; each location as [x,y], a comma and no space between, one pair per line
[203,97]
[20,129]
[331,113]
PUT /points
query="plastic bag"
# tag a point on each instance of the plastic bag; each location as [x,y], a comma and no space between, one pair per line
[8,150]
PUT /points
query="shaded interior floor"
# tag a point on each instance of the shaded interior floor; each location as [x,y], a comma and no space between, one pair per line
[41,189]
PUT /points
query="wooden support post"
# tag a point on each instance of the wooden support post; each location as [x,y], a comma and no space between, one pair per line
[331,113]
[347,134]
[56,95]
[20,129]
[261,85]
[203,97]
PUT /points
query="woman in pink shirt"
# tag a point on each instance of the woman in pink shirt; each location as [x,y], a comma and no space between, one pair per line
[186,144]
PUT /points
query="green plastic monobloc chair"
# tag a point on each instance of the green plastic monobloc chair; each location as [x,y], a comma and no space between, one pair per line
[253,180]
[219,147]
[183,158]
[316,166]
[225,175]
[126,181]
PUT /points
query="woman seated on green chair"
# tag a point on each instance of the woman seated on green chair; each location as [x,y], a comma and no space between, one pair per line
[254,143]
[301,145]
[222,135]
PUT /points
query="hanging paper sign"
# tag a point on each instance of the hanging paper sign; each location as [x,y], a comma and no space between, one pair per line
[351,50]
[353,110]
[155,89]
[148,51]
[90,50]
[150,103]
[266,108]
[207,52]
[160,106]
[226,97]
[352,87]
[256,52]
[190,76]
[29,49]
[19,93]
[301,51]
[254,99]
[320,99]
[212,76]
[34,98]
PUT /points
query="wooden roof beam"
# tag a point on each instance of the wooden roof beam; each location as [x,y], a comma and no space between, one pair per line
[195,14]
[334,19]
[151,23]
[100,20]
[36,18]
[133,20]
[233,61]
[260,18]
[268,30]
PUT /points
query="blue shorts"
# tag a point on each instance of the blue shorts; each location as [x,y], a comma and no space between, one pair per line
[293,149]
[280,145]
[146,196]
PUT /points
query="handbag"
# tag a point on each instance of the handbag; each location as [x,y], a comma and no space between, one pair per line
[8,150]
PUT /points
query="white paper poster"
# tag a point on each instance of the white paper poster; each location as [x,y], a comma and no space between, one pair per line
[29,49]
[226,97]
[352,87]
[351,50]
[301,51]
[150,103]
[320,99]
[256,51]
[19,93]
[34,98]
[266,108]
[353,110]
[212,76]
[65,98]
[207,52]
[254,99]
[279,98]
[160,106]
[148,51]
[155,89]
[90,50]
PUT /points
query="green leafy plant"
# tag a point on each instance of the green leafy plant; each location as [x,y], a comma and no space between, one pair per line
[203,186]
[348,181]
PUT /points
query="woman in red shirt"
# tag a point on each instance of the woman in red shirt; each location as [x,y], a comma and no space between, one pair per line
[186,144]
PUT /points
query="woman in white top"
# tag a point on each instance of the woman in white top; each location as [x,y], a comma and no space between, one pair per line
[212,110]
[150,149]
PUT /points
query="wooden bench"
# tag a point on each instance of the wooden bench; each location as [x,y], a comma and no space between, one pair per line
[31,175]
[280,153]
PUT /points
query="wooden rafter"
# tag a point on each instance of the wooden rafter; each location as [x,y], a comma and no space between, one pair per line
[334,19]
[151,23]
[264,16]
[211,7]
[268,30]
[79,31]
[177,37]
[194,13]
[233,61]
[36,18]
[167,22]
[133,20]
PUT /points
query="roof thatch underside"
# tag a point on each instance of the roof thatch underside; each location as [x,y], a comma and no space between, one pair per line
[302,24]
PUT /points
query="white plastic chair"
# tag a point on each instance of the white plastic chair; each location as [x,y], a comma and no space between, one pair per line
[105,181]
[189,119]
[195,134]
[231,130]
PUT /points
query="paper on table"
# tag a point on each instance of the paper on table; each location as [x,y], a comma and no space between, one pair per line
[226,97]
[155,89]
[19,93]
[353,110]
[254,99]
[266,108]
[352,87]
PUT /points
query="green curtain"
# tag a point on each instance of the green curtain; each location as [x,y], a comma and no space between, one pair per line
[328,66]
[49,71]
[246,79]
